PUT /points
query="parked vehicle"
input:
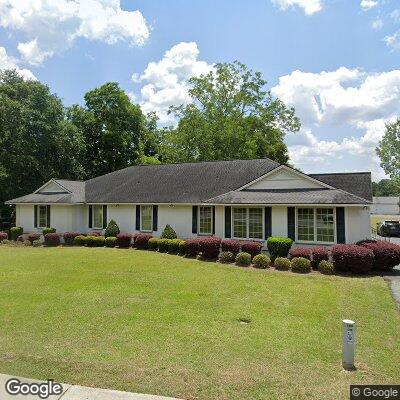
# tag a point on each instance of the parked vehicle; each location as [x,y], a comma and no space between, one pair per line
[389,228]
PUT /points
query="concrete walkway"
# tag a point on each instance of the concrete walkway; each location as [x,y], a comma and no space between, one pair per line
[75,392]
[393,281]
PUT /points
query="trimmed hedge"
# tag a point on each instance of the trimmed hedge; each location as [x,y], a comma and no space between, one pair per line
[243,259]
[93,233]
[352,258]
[261,261]
[304,252]
[153,243]
[252,247]
[326,267]
[301,265]
[282,263]
[69,237]
[80,240]
[317,255]
[36,243]
[226,257]
[209,247]
[173,245]
[168,233]
[112,229]
[3,236]
[192,247]
[110,241]
[34,236]
[15,232]
[141,240]
[45,231]
[95,241]
[279,246]
[124,240]
[386,254]
[182,247]
[52,239]
[231,245]
[162,245]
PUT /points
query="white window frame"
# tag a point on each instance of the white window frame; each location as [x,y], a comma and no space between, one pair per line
[315,226]
[248,224]
[93,219]
[198,219]
[141,218]
[38,217]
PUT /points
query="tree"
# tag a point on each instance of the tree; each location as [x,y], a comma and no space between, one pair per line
[386,187]
[151,139]
[389,150]
[231,116]
[36,141]
[111,127]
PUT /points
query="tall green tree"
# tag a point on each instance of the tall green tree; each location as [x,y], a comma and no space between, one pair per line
[231,116]
[36,140]
[386,187]
[389,150]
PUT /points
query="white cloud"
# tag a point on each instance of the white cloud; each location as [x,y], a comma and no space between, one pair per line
[53,25]
[395,14]
[368,4]
[7,62]
[377,24]
[393,41]
[166,80]
[309,6]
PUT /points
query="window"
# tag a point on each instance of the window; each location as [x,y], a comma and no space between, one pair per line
[316,225]
[205,218]
[248,223]
[42,216]
[146,218]
[97,213]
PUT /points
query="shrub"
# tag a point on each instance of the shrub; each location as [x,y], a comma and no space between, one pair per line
[226,257]
[209,247]
[110,241]
[80,240]
[261,261]
[5,242]
[16,231]
[52,239]
[69,237]
[192,248]
[173,245]
[243,259]
[3,236]
[386,255]
[45,231]
[362,242]
[182,247]
[326,267]
[153,243]
[300,264]
[251,247]
[352,258]
[99,241]
[36,243]
[93,233]
[163,245]
[304,252]
[279,246]
[282,264]
[33,236]
[141,240]
[112,229]
[317,255]
[231,245]
[168,233]
[124,240]
[90,241]
[26,243]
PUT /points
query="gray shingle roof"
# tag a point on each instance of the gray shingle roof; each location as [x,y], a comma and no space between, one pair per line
[203,182]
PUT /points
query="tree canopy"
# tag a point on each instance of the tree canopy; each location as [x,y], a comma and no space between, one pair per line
[386,187]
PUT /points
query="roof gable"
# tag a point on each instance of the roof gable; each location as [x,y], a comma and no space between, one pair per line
[52,186]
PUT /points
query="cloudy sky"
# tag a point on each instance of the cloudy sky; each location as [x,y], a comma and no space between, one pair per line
[336,61]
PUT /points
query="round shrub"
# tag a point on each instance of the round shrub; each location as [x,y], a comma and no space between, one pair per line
[16,231]
[386,254]
[52,239]
[168,233]
[79,240]
[33,236]
[26,243]
[252,247]
[226,257]
[45,231]
[301,265]
[69,237]
[153,243]
[282,264]
[110,241]
[243,259]
[141,240]
[124,240]
[163,245]
[352,258]
[90,241]
[326,267]
[112,229]
[182,247]
[261,261]
[279,246]
[173,246]
[231,245]
[99,241]
[209,247]
[317,255]
[5,242]
[3,236]
[192,248]
[36,243]
[304,252]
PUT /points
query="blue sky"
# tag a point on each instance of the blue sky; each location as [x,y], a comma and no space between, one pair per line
[335,61]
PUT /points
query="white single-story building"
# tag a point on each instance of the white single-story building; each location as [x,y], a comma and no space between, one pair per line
[241,199]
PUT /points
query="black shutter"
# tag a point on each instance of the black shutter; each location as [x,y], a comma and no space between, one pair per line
[340,225]
[213,220]
[104,217]
[35,216]
[155,218]
[268,222]
[48,217]
[291,223]
[90,217]
[194,219]
[138,217]
[228,229]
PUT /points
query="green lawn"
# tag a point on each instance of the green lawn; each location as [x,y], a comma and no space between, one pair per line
[162,324]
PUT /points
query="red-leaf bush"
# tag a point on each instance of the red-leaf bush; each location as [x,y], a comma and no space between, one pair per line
[302,252]
[192,247]
[124,240]
[253,248]
[141,240]
[209,247]
[3,236]
[93,233]
[231,245]
[69,237]
[352,258]
[317,255]
[52,239]
[34,236]
[386,255]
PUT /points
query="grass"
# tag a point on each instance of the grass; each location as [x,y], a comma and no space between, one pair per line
[155,323]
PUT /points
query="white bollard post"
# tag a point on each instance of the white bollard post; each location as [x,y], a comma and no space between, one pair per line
[349,343]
